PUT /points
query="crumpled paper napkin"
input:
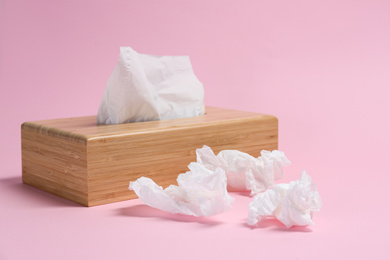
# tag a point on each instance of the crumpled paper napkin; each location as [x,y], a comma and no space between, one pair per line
[292,204]
[243,171]
[200,192]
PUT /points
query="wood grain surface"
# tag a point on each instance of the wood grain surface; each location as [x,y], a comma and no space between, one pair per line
[92,165]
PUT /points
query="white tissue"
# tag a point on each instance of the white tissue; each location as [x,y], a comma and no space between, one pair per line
[243,171]
[292,204]
[201,192]
[145,87]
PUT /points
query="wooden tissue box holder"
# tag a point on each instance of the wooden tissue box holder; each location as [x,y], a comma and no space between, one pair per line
[93,165]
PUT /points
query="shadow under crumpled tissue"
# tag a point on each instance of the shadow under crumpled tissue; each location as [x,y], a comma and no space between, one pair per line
[146,211]
[276,225]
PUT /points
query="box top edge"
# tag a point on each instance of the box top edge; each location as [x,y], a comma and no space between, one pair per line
[53,131]
[85,127]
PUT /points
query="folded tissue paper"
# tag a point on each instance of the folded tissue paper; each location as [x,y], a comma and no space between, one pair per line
[146,87]
[292,204]
[201,192]
[243,171]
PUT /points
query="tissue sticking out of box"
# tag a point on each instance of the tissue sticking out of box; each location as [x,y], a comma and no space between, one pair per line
[243,171]
[146,87]
[201,192]
[292,204]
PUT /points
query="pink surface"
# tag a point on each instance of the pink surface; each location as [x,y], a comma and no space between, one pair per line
[322,67]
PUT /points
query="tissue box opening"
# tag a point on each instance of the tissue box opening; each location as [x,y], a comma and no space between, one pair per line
[93,165]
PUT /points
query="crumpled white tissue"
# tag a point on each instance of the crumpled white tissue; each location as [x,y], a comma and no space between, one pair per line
[243,171]
[201,192]
[146,87]
[292,204]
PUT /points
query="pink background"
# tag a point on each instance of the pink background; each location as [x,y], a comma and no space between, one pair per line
[322,67]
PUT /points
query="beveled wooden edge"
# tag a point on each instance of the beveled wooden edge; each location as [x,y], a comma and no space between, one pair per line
[52,131]
[176,127]
[87,124]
